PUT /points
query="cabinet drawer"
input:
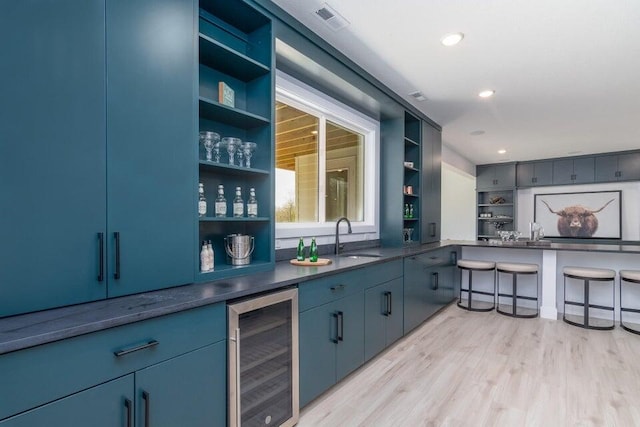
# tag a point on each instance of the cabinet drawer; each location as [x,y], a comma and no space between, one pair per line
[38,375]
[437,257]
[321,291]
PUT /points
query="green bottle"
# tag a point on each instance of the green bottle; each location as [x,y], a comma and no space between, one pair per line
[313,251]
[300,252]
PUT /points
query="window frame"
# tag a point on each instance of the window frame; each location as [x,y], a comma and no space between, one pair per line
[305,98]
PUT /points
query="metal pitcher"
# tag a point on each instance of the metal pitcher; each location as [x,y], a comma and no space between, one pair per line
[239,248]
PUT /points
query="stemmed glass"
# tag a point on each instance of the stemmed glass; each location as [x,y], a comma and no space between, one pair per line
[232,145]
[216,150]
[248,148]
[209,140]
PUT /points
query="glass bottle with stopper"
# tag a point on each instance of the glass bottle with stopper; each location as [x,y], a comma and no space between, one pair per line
[221,202]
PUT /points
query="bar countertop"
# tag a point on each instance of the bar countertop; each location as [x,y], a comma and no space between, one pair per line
[32,329]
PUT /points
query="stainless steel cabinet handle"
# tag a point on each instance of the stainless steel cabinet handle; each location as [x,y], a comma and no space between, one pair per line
[238,401]
[148,344]
[129,407]
[387,303]
[337,288]
[101,257]
[390,302]
[116,236]
[147,403]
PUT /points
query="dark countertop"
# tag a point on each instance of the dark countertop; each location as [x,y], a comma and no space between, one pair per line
[28,330]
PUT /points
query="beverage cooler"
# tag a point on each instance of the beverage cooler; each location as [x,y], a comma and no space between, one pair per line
[263,360]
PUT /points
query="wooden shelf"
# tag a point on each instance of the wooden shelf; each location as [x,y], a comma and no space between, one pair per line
[410,219]
[212,110]
[225,270]
[407,168]
[494,205]
[411,195]
[222,58]
[494,219]
[230,169]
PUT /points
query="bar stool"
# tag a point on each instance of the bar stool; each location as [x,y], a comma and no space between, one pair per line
[589,275]
[630,276]
[515,269]
[471,266]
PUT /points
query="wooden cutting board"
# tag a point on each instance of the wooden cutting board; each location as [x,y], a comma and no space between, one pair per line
[307,263]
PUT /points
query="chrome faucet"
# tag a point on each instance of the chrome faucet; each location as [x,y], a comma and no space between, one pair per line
[344,218]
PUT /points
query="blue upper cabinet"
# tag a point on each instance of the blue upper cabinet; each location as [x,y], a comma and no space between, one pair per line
[52,153]
[151,144]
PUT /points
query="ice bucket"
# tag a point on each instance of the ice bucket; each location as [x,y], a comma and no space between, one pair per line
[239,248]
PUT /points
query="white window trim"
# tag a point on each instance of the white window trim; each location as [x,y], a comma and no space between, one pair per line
[301,96]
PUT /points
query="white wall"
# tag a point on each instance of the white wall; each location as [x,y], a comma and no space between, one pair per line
[458,197]
[630,204]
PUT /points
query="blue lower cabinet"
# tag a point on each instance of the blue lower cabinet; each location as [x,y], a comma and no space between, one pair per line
[189,390]
[331,344]
[383,316]
[107,405]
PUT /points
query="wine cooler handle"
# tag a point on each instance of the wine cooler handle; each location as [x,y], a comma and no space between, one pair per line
[101,257]
[128,405]
[341,328]
[337,334]
[238,401]
[147,403]
[116,274]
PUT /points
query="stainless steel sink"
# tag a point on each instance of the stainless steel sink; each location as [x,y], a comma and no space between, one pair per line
[358,256]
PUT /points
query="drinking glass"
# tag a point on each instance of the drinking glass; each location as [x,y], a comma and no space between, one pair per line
[209,139]
[248,148]
[232,145]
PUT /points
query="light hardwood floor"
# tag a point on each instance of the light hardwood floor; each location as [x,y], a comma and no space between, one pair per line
[483,369]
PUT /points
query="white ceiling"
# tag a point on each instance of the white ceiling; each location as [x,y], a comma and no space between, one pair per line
[566,72]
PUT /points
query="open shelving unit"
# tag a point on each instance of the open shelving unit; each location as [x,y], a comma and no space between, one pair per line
[412,177]
[502,214]
[236,47]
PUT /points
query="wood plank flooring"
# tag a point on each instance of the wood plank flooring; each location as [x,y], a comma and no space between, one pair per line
[484,369]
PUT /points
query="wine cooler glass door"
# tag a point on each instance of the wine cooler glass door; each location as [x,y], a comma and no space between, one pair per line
[263,361]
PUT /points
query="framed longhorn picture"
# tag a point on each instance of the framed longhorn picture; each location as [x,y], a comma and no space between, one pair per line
[587,215]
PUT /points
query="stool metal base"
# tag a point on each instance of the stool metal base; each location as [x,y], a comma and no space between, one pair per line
[586,305]
[627,309]
[515,297]
[470,291]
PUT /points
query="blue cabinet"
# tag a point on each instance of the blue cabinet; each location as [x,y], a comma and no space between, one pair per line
[431,183]
[429,284]
[52,154]
[99,123]
[151,144]
[189,390]
[574,171]
[622,167]
[496,176]
[107,405]
[534,174]
[383,316]
[331,344]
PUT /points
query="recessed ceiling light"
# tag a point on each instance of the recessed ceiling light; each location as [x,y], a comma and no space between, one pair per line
[502,151]
[486,93]
[451,39]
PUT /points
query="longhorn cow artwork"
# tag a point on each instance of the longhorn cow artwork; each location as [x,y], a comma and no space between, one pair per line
[580,215]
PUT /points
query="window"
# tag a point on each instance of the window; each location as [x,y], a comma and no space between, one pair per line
[325,159]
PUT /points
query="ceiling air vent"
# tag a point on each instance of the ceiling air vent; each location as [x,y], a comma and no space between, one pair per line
[331,18]
[419,96]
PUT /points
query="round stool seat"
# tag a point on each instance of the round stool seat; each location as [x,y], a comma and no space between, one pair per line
[470,264]
[516,267]
[589,273]
[630,275]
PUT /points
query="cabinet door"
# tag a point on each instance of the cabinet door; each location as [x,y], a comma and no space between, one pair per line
[584,170]
[505,175]
[106,405]
[525,174]
[52,153]
[629,167]
[420,290]
[394,321]
[563,172]
[350,348]
[606,168]
[543,173]
[431,183]
[317,330]
[151,142]
[188,390]
[485,177]
[375,320]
